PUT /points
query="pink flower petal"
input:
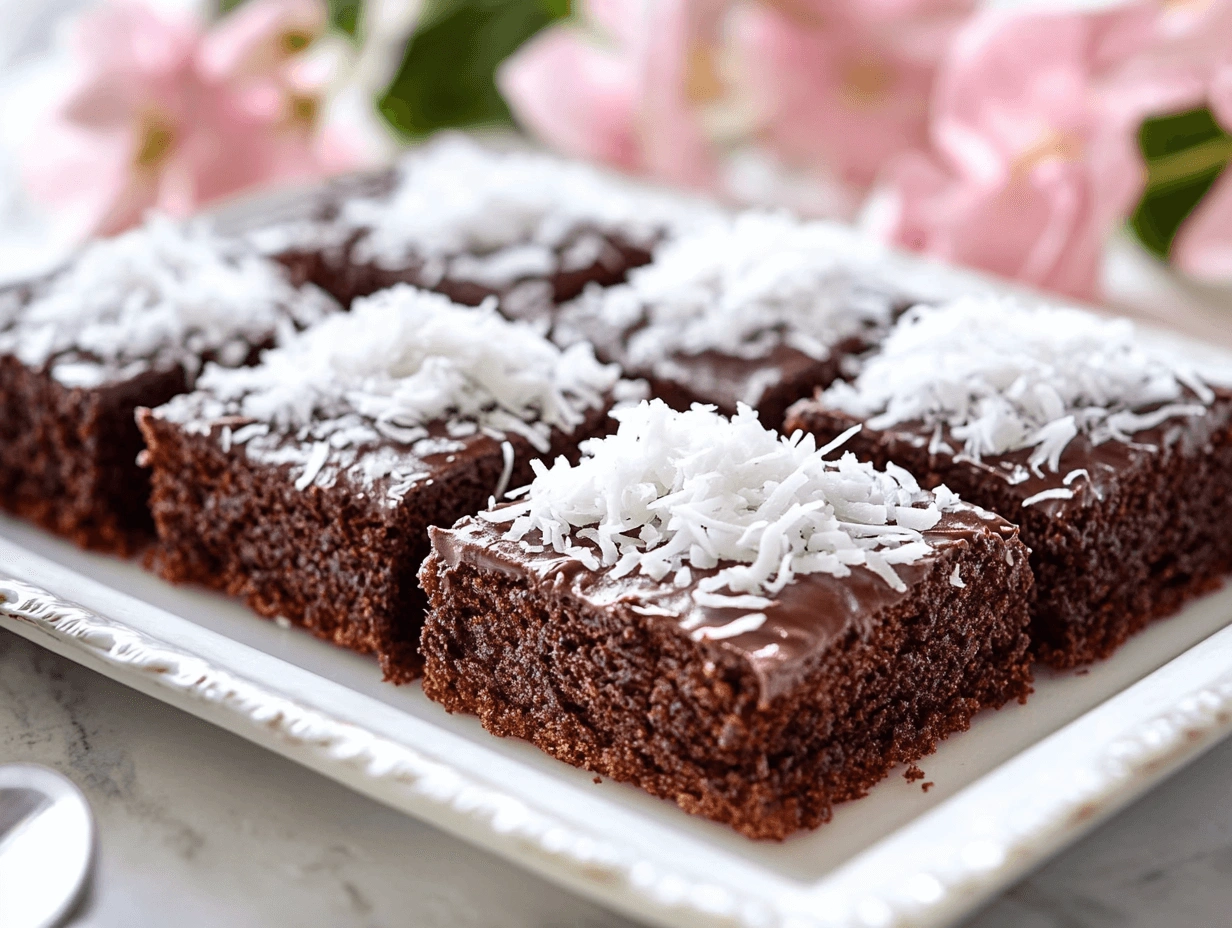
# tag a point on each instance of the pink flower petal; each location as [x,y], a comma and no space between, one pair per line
[631,104]
[674,61]
[1036,228]
[574,95]
[130,59]
[258,37]
[1221,95]
[335,152]
[88,179]
[1010,81]
[621,21]
[166,115]
[1034,157]
[835,98]
[1203,247]
[126,36]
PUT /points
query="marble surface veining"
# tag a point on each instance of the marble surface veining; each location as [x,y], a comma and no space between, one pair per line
[199,826]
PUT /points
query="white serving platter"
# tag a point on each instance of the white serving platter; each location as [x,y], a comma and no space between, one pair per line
[1022,783]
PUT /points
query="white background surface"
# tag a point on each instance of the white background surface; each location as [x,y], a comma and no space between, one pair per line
[201,829]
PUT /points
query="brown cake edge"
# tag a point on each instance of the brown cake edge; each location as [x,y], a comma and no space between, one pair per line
[336,271]
[68,456]
[333,561]
[1103,579]
[634,699]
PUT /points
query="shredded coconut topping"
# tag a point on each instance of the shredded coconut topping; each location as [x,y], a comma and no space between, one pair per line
[746,285]
[999,376]
[505,215]
[672,492]
[379,375]
[1045,495]
[159,296]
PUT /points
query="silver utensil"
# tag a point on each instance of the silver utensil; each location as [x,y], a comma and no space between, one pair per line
[46,846]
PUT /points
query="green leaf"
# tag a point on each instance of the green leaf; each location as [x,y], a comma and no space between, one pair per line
[1185,154]
[1166,135]
[447,74]
[1159,216]
[345,15]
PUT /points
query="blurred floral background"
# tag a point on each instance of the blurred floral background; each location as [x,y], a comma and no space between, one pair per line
[1026,140]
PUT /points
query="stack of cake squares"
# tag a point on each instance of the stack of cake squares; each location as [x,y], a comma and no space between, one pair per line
[739,508]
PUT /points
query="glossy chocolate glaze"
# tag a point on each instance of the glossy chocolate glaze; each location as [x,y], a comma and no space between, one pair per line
[524,296]
[319,248]
[769,383]
[807,614]
[455,455]
[1104,464]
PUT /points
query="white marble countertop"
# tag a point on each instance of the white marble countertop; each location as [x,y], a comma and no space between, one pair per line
[199,827]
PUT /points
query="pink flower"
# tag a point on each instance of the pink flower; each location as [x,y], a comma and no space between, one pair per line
[167,115]
[1033,155]
[1221,95]
[672,88]
[843,87]
[259,39]
[1040,226]
[1203,247]
[627,88]
[592,114]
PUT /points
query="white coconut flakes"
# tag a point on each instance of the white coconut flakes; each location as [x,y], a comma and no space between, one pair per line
[998,376]
[496,216]
[743,286]
[672,491]
[373,380]
[161,295]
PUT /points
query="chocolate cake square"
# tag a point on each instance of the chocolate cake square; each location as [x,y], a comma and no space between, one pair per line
[473,222]
[306,484]
[757,309]
[304,228]
[127,323]
[1113,456]
[726,618]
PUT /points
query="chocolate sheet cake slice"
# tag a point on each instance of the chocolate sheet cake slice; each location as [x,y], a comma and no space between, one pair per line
[726,618]
[1115,458]
[473,222]
[128,323]
[303,228]
[758,309]
[306,484]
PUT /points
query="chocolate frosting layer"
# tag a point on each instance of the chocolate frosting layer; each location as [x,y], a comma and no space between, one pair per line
[710,376]
[807,615]
[1092,470]
[386,468]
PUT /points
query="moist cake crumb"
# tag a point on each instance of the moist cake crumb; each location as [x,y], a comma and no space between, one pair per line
[1114,456]
[305,484]
[726,618]
[129,322]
